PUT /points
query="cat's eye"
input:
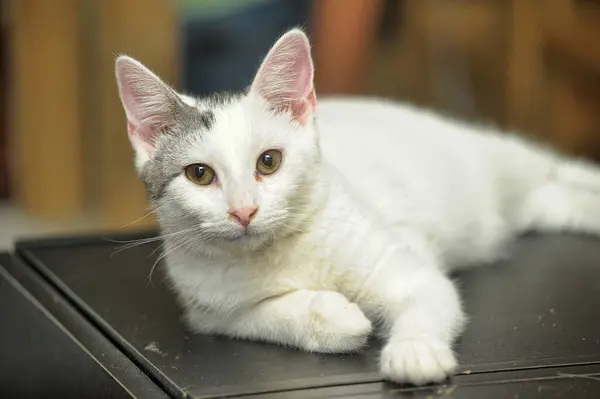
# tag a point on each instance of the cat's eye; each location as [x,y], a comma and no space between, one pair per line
[268,162]
[200,174]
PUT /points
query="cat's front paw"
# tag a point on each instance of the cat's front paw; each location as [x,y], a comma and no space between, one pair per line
[417,361]
[337,325]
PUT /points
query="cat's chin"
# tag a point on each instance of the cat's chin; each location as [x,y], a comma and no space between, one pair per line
[250,238]
[243,235]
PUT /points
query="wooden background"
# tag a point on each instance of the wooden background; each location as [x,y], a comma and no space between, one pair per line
[3,116]
[528,65]
[72,158]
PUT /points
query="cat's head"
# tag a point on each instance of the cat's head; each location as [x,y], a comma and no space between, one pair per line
[234,169]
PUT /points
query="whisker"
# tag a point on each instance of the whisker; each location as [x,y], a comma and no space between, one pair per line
[138,220]
[136,244]
[142,241]
[151,211]
[292,228]
[186,242]
[162,244]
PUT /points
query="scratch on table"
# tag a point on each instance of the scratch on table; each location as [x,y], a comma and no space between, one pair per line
[153,347]
[594,377]
[445,390]
[541,388]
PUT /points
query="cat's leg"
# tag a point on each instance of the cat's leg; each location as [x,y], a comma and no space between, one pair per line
[421,315]
[422,327]
[316,321]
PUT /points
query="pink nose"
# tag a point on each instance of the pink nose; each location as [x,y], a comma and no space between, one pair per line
[244,215]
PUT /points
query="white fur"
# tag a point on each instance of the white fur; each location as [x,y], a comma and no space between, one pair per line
[364,233]
[407,195]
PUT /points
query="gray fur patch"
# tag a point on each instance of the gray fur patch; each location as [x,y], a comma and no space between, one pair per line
[190,123]
[221,99]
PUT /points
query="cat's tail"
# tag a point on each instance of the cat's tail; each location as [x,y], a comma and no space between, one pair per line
[567,200]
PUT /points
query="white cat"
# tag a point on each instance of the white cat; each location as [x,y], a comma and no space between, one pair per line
[302,225]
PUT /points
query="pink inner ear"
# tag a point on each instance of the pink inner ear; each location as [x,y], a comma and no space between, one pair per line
[285,78]
[145,134]
[303,109]
[130,128]
[147,101]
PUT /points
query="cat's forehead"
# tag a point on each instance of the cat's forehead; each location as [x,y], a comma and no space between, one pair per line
[233,131]
[232,126]
[239,125]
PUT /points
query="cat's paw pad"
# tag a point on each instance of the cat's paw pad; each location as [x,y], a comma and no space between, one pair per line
[417,361]
[337,324]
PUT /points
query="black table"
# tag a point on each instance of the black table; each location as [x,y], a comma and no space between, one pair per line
[534,329]
[48,349]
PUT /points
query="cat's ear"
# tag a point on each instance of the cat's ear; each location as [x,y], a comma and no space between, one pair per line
[285,78]
[150,104]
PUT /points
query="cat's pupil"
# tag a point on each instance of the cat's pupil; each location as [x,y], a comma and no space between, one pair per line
[199,171]
[267,160]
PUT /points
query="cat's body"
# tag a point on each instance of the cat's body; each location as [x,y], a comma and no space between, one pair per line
[469,189]
[311,253]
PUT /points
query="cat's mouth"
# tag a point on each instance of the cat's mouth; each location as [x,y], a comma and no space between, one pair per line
[244,234]
[250,237]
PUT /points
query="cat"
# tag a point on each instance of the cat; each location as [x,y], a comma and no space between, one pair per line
[305,225]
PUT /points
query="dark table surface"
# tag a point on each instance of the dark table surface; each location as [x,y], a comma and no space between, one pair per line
[48,350]
[538,311]
[576,382]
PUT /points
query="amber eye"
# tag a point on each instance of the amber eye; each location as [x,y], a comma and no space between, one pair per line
[268,162]
[200,174]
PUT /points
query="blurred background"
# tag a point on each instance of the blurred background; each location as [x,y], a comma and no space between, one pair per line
[532,66]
